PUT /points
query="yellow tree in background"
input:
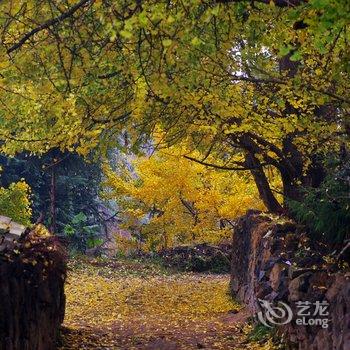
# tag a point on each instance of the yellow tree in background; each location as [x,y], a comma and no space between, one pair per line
[15,202]
[170,200]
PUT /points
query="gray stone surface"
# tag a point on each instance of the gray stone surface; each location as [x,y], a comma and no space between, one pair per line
[267,264]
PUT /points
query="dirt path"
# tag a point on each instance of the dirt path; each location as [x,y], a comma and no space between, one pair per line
[136,306]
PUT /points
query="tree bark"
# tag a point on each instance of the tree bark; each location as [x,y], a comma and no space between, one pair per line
[262,184]
[53,200]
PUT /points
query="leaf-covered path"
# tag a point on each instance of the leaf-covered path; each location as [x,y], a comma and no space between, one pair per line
[120,305]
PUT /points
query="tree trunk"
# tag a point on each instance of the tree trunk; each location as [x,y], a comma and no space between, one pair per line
[32,295]
[262,184]
[53,201]
[292,171]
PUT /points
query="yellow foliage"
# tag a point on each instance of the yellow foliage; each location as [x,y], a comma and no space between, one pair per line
[15,202]
[41,231]
[135,305]
[172,200]
[126,245]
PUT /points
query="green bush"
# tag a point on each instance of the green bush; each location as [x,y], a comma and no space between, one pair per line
[326,209]
[81,235]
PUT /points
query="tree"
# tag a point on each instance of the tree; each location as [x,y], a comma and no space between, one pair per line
[167,199]
[249,85]
[62,186]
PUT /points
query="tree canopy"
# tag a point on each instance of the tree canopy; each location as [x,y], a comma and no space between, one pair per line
[167,200]
[246,84]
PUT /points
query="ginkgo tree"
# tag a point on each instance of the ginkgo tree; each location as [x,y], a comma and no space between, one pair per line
[167,199]
[247,85]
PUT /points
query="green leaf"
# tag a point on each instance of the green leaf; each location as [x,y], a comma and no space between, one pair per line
[296,56]
[143,19]
[284,50]
[167,42]
[196,41]
[126,34]
[215,11]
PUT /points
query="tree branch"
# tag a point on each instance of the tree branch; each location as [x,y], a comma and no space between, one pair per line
[221,167]
[48,24]
[279,3]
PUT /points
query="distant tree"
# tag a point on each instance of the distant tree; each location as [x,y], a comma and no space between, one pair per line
[62,185]
[167,199]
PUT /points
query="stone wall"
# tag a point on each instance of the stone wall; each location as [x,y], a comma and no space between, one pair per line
[273,260]
[32,301]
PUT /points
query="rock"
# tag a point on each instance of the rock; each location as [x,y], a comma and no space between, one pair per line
[32,291]
[10,232]
[263,290]
[275,275]
[333,291]
[274,262]
[296,272]
[299,286]
[4,224]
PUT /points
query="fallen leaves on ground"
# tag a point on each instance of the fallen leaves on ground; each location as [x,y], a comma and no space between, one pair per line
[130,306]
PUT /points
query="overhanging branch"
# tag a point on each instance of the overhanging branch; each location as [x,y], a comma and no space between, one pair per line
[48,24]
[221,167]
[278,3]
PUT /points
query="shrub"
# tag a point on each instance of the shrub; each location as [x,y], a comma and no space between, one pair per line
[81,235]
[326,209]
